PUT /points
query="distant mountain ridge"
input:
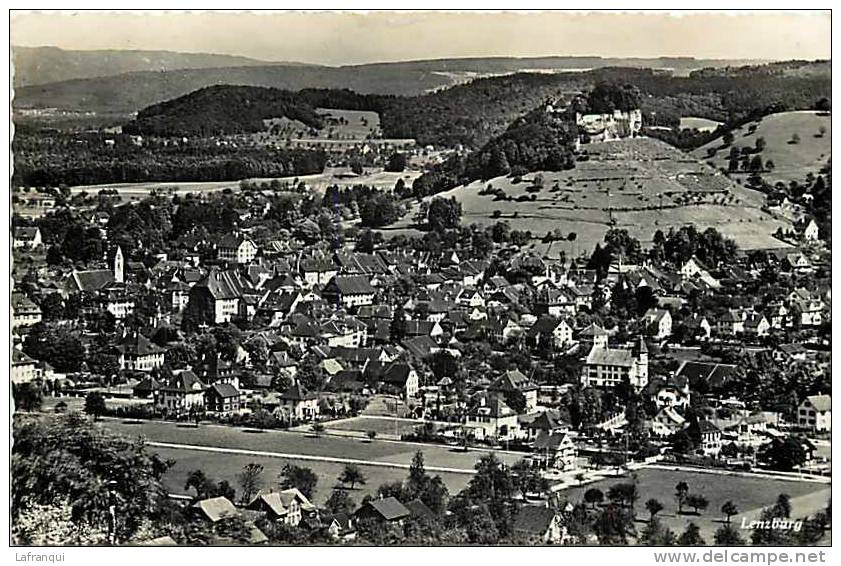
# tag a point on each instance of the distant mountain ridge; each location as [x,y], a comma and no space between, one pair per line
[43,65]
[129,90]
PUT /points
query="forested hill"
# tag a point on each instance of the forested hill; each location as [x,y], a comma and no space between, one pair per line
[536,141]
[472,114]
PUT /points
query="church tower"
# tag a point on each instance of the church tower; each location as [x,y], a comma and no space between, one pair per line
[119,275]
[640,352]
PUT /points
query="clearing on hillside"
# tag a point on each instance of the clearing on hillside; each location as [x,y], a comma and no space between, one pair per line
[700,124]
[641,185]
[792,161]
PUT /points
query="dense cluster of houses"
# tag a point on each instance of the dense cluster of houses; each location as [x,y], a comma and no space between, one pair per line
[370,322]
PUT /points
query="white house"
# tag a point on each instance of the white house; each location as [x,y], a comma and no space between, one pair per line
[660,323]
[815,412]
[235,248]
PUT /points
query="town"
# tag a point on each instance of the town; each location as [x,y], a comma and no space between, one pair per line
[382,341]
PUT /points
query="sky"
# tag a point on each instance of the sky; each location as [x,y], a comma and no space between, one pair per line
[339,38]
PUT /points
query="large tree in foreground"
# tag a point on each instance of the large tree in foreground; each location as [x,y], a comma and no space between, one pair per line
[65,460]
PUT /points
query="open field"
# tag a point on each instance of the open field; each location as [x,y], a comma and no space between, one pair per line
[338,125]
[750,494]
[379,454]
[792,162]
[382,426]
[319,182]
[227,466]
[641,185]
[701,124]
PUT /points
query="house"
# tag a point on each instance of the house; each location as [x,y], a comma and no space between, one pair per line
[349,291]
[215,299]
[339,526]
[549,331]
[215,509]
[608,367]
[26,238]
[554,451]
[96,279]
[298,404]
[710,438]
[815,412]
[181,394]
[693,268]
[714,374]
[24,311]
[698,326]
[235,248]
[513,381]
[807,230]
[288,506]
[808,312]
[492,418]
[317,271]
[672,392]
[667,421]
[731,323]
[23,367]
[540,525]
[386,509]
[592,336]
[396,376]
[659,323]
[137,353]
[222,398]
[756,324]
[790,353]
[797,263]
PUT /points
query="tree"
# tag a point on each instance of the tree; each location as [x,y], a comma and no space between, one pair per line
[795,139]
[444,214]
[728,535]
[691,536]
[782,507]
[199,482]
[352,475]
[396,163]
[594,496]
[95,404]
[653,507]
[729,509]
[657,534]
[27,396]
[339,502]
[371,434]
[61,460]
[759,144]
[250,481]
[681,492]
[53,525]
[784,455]
[299,477]
[697,502]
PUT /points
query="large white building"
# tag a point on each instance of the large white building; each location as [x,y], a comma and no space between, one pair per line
[608,367]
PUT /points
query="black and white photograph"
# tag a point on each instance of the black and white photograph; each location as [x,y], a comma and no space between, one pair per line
[421,278]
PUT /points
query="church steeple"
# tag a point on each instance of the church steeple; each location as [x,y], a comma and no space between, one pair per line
[119,273]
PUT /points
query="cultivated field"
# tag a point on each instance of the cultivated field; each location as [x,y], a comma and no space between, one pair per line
[750,494]
[792,161]
[641,185]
